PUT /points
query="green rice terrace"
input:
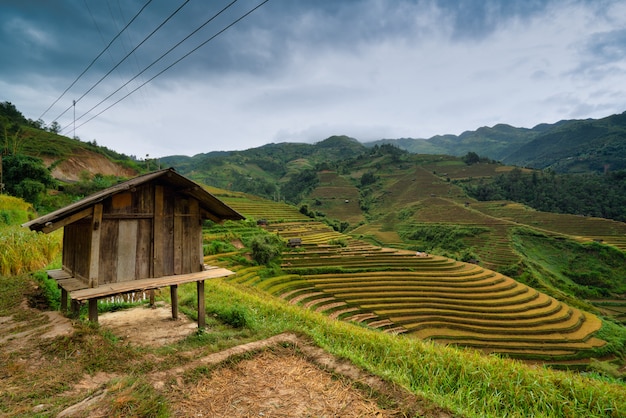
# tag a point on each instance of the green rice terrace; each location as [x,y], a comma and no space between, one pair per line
[415,293]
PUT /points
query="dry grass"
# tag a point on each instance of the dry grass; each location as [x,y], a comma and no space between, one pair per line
[273,384]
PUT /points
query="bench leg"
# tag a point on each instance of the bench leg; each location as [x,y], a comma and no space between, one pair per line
[93,310]
[63,300]
[75,309]
[201,308]
[174,297]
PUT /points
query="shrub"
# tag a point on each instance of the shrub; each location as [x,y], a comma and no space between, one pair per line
[266,248]
[49,290]
[446,237]
[217,247]
[235,316]
[338,242]
[26,177]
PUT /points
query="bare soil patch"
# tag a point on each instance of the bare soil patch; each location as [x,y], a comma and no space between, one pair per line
[16,335]
[85,161]
[148,326]
[282,376]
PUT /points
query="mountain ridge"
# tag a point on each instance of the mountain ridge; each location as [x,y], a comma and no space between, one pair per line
[594,145]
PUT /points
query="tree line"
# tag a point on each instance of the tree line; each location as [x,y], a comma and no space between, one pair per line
[599,195]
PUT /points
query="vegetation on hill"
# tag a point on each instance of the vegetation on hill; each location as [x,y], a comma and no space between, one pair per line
[577,146]
[602,196]
[587,271]
[569,146]
[25,144]
[348,262]
[284,171]
[25,136]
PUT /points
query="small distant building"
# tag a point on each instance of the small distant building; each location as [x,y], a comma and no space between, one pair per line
[142,234]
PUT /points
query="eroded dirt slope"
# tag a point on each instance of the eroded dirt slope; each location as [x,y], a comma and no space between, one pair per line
[85,161]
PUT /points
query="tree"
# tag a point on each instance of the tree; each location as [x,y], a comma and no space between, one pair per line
[9,113]
[55,128]
[266,248]
[26,177]
[471,158]
[368,178]
[299,184]
[13,139]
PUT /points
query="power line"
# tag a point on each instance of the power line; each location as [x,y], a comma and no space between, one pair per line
[176,62]
[126,56]
[95,59]
[163,56]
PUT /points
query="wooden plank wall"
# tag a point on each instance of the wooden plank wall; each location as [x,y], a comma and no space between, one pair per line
[150,231]
[163,232]
[76,249]
[127,236]
[187,236]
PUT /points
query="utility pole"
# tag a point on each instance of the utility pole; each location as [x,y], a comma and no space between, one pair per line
[74,104]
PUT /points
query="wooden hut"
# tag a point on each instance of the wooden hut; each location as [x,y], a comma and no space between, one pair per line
[141,234]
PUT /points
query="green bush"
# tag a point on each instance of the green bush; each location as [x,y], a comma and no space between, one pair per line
[266,248]
[445,237]
[235,316]
[217,247]
[49,290]
[26,177]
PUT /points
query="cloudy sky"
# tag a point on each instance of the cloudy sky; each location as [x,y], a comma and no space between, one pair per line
[302,70]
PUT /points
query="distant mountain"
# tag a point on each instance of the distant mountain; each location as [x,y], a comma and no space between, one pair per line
[496,142]
[577,146]
[569,146]
[262,170]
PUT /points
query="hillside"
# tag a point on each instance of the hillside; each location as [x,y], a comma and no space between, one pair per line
[568,146]
[67,159]
[275,171]
[395,290]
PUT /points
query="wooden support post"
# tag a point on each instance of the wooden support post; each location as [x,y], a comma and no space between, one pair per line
[75,309]
[94,251]
[158,233]
[93,310]
[63,300]
[174,297]
[201,307]
[151,295]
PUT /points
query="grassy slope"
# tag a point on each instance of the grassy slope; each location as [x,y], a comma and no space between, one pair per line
[470,384]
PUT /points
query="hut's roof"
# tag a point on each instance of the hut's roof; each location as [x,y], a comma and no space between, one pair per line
[212,208]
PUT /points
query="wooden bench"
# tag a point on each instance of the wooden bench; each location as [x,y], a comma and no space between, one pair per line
[78,291]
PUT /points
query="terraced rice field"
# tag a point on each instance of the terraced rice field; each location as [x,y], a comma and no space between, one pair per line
[615,309]
[337,197]
[407,189]
[580,227]
[263,209]
[492,247]
[425,296]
